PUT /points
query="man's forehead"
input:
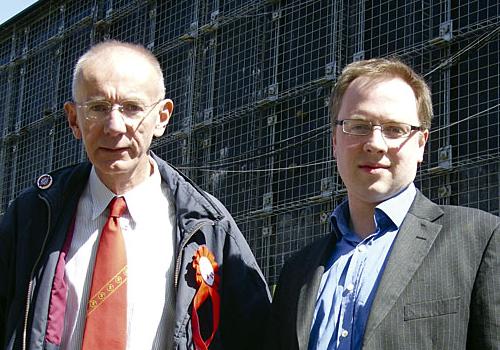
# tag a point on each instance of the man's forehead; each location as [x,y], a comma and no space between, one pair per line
[390,93]
[371,80]
[115,62]
[131,75]
[393,87]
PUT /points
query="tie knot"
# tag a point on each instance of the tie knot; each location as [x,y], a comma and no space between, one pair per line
[117,207]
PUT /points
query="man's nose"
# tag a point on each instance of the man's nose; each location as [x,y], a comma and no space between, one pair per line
[376,142]
[114,123]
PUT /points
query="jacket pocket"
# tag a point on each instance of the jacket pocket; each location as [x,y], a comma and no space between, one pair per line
[431,308]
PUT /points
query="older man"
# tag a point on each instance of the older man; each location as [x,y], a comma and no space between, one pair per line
[123,251]
[397,271]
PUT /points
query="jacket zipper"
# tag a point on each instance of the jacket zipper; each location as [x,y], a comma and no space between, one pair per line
[30,285]
[181,248]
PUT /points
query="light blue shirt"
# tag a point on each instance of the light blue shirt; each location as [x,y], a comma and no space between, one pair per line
[352,275]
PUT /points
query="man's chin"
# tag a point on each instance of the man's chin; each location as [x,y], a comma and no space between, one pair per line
[114,167]
[378,194]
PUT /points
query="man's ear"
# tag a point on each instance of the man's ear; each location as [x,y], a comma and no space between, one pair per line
[334,141]
[422,140]
[165,114]
[424,137]
[71,116]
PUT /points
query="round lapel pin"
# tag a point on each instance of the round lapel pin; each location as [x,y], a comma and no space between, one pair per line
[207,271]
[44,181]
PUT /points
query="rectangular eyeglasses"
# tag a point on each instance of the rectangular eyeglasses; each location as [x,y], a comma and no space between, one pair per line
[390,130]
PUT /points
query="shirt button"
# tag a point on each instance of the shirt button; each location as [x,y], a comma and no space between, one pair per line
[361,248]
[350,287]
[344,333]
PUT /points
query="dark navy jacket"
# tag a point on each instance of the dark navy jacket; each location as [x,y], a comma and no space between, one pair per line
[33,231]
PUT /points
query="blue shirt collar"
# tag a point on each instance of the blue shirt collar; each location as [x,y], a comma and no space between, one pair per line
[397,207]
[389,213]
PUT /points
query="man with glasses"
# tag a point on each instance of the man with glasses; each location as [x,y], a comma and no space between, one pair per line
[397,271]
[124,251]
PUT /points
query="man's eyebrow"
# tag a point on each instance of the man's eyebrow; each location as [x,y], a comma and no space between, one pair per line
[96,98]
[361,115]
[104,99]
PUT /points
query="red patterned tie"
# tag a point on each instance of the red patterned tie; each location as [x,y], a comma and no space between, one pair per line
[106,323]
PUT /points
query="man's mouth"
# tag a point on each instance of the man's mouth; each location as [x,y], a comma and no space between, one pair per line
[373,167]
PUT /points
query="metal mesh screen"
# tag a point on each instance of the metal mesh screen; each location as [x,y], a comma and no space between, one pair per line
[250,80]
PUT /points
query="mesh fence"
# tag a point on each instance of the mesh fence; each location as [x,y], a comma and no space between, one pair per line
[250,80]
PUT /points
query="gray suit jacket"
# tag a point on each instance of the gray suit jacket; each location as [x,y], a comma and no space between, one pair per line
[440,288]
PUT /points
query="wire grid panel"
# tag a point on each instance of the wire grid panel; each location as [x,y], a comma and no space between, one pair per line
[177,63]
[4,99]
[66,149]
[119,5]
[236,65]
[74,12]
[127,21]
[298,148]
[42,29]
[12,98]
[474,99]
[235,7]
[470,15]
[176,20]
[174,151]
[464,140]
[36,98]
[5,51]
[303,44]
[19,38]
[8,172]
[456,48]
[250,83]
[397,27]
[224,162]
[75,43]
[32,156]
[475,186]
[478,187]
[275,238]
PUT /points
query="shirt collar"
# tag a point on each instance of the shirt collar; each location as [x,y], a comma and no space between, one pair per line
[397,207]
[135,198]
[340,219]
[143,193]
[101,195]
[391,211]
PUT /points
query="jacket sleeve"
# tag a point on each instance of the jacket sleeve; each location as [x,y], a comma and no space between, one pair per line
[484,323]
[281,331]
[245,299]
[7,249]
[20,244]
[290,320]
[276,324]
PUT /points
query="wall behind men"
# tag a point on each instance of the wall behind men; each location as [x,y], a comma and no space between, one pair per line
[251,80]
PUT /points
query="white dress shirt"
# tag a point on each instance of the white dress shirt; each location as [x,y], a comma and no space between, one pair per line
[148,227]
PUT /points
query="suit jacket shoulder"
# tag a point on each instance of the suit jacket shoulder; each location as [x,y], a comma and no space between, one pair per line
[438,287]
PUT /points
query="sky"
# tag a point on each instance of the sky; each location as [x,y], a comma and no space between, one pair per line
[10,8]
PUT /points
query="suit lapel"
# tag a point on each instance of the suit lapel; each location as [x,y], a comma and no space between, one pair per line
[309,290]
[412,244]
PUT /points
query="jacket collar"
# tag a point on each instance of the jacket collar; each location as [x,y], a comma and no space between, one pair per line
[316,262]
[191,203]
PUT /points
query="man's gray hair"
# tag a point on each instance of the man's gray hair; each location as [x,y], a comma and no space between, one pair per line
[113,45]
